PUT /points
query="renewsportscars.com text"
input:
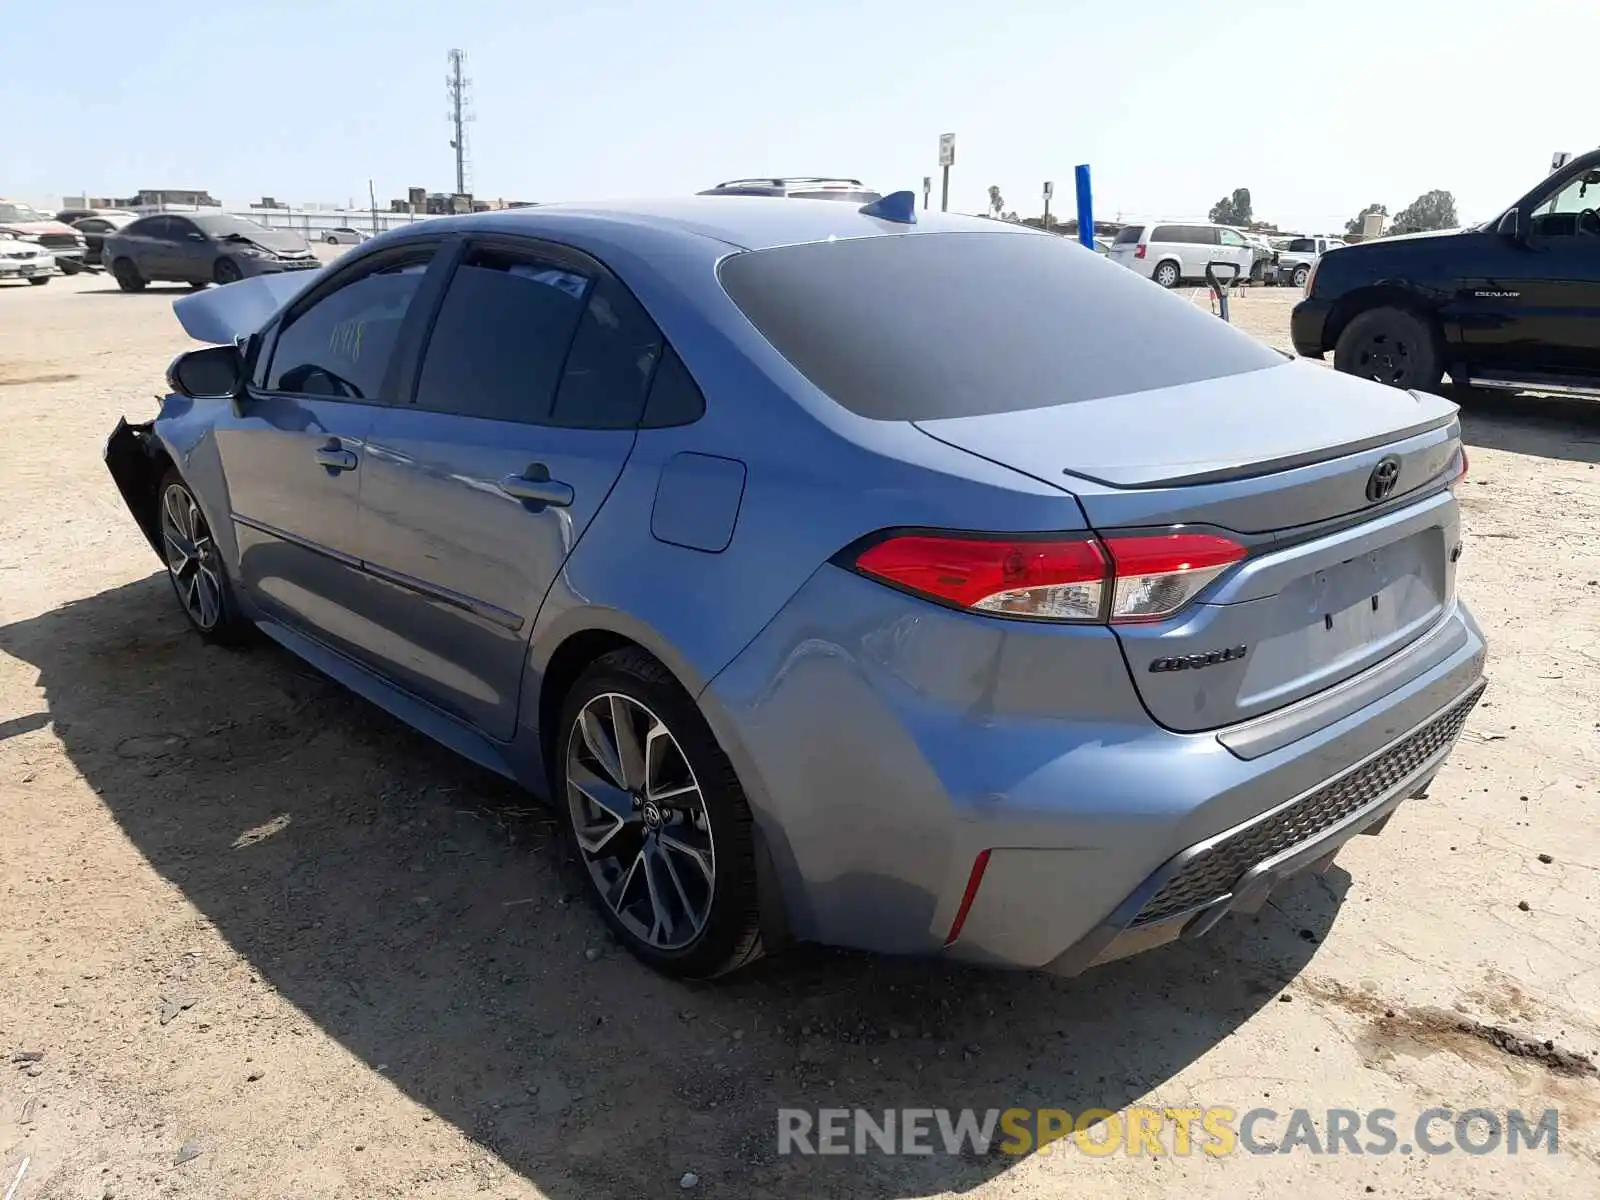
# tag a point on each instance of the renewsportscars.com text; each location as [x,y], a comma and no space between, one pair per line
[1215,1131]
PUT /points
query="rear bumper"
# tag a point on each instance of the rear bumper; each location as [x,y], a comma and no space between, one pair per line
[1306,325]
[885,745]
[1236,870]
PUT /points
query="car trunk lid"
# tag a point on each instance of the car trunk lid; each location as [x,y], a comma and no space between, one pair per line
[1336,488]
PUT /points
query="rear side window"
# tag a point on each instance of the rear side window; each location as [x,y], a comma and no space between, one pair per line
[927,326]
[1300,245]
[1130,234]
[614,353]
[675,398]
[1168,233]
[501,337]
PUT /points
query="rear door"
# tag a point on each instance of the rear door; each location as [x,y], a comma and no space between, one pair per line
[525,410]
[294,453]
[189,253]
[156,251]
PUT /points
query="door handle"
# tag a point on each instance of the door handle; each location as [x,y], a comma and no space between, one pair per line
[535,486]
[335,457]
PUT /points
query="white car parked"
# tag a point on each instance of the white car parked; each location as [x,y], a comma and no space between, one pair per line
[1170,252]
[21,259]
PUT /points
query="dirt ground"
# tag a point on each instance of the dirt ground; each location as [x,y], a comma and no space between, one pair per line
[266,942]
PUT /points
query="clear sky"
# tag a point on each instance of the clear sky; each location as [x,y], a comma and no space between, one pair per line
[1317,109]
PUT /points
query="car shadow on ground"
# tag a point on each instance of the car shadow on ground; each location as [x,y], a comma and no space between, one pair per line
[1521,423]
[423,914]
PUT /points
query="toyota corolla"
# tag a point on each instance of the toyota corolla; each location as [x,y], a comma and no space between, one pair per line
[900,581]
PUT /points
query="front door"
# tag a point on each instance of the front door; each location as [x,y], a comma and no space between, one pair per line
[525,411]
[1532,307]
[294,452]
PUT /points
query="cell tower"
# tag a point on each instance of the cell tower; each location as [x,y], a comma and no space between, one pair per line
[458,89]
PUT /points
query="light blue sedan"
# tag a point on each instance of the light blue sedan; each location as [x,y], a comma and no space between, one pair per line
[902,581]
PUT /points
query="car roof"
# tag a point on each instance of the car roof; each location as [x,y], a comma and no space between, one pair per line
[739,222]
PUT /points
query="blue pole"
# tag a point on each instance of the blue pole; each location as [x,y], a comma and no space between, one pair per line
[1085,206]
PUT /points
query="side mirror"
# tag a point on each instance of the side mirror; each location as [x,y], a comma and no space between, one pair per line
[210,373]
[1512,226]
[196,237]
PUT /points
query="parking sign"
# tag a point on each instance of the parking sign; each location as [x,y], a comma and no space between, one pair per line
[947,149]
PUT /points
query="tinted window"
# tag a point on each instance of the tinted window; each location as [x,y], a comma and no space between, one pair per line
[140,228]
[1201,235]
[1300,245]
[160,228]
[1131,234]
[340,346]
[675,398]
[960,324]
[608,369]
[501,340]
[93,225]
[1168,233]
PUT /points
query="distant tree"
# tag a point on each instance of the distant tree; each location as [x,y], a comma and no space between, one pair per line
[996,201]
[1233,210]
[1353,226]
[1431,210]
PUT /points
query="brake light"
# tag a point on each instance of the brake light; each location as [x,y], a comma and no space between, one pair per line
[1138,251]
[1081,579]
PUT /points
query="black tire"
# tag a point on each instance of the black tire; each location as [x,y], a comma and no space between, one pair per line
[199,285]
[1168,274]
[69,266]
[728,935]
[1393,346]
[1301,274]
[201,583]
[127,275]
[331,240]
[226,271]
[39,280]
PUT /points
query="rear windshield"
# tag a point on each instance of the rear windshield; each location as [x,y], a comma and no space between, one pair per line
[1301,244]
[925,326]
[1131,234]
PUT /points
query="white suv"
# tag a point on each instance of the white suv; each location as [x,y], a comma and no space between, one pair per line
[1170,252]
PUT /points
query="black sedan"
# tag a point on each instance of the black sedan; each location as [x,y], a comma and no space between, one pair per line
[96,229]
[200,248]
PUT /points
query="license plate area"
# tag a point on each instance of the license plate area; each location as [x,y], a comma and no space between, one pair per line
[1343,617]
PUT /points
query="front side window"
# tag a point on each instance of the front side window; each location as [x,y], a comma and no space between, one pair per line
[340,346]
[1571,212]
[501,338]
[1229,238]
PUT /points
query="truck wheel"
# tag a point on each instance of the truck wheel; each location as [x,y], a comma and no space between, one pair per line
[1167,275]
[1393,346]
[1301,274]
[39,280]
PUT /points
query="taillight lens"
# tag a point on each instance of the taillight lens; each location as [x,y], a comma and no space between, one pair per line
[1138,251]
[1122,579]
[1158,575]
[1057,580]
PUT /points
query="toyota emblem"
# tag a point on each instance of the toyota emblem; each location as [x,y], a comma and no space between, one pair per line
[1380,484]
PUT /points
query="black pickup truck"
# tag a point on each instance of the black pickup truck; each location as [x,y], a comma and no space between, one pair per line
[1512,304]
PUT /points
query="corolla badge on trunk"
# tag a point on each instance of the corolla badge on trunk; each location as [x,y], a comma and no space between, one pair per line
[1193,662]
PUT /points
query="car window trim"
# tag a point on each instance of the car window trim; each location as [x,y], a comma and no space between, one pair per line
[366,264]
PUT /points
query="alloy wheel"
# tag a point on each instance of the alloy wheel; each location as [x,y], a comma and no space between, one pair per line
[641,822]
[191,556]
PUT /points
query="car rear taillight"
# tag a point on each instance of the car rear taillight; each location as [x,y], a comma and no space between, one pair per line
[1157,575]
[1136,578]
[1138,251]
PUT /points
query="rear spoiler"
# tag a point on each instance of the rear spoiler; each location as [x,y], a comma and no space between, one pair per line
[223,315]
